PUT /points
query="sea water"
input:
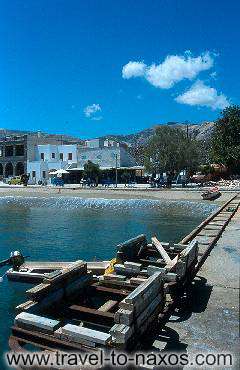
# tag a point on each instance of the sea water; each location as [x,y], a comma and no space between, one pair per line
[71,228]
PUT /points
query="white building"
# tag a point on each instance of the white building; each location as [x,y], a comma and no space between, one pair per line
[48,158]
[108,154]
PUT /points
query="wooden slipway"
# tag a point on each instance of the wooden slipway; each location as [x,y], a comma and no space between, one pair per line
[35,272]
[74,310]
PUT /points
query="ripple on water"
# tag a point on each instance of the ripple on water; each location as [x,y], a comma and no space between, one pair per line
[76,202]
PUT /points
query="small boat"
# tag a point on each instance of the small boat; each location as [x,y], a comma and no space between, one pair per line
[36,272]
[211,194]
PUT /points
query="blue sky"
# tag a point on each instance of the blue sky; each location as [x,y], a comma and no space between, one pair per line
[89,68]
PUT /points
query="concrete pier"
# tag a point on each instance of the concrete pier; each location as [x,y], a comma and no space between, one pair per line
[209,321]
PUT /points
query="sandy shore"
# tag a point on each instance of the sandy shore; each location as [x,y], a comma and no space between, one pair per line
[173,194]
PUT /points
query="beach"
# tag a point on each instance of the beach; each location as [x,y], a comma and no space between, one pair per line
[174,194]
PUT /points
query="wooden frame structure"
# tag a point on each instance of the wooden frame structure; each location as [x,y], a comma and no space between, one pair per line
[116,309]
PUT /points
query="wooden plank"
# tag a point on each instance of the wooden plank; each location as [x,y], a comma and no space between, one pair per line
[161,250]
[113,277]
[34,337]
[77,333]
[91,311]
[126,285]
[73,271]
[108,306]
[145,289]
[25,319]
[104,289]
[146,262]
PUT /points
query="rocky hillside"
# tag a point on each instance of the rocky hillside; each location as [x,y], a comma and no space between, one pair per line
[66,139]
[200,131]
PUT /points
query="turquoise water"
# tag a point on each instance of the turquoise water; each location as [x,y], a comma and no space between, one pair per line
[69,228]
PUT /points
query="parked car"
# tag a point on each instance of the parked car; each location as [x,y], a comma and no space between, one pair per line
[16,180]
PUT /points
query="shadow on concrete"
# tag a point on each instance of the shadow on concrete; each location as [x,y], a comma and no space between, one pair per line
[195,300]
[166,339]
[167,344]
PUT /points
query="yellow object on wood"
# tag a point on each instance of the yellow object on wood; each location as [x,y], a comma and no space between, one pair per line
[110,268]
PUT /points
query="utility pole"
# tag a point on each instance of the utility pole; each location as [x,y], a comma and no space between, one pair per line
[116,170]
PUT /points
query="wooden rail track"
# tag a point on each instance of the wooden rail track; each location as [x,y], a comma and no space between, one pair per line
[207,234]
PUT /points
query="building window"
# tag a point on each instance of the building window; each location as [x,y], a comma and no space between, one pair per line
[61,156]
[44,174]
[33,174]
[8,150]
[42,156]
[69,156]
[19,150]
[53,155]
[84,157]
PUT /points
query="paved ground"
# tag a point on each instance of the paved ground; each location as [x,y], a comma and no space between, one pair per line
[211,321]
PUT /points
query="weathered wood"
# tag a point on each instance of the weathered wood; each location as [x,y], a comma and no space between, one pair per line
[112,277]
[118,284]
[28,320]
[137,280]
[121,333]
[161,250]
[133,266]
[111,291]
[131,249]
[208,220]
[91,311]
[168,276]
[80,333]
[73,271]
[44,340]
[144,289]
[108,306]
[39,290]
[26,306]
[124,317]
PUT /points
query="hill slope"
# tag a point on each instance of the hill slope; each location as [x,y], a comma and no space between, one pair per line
[200,131]
[64,138]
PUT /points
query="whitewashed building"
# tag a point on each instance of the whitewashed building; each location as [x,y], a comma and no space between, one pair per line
[48,158]
[107,154]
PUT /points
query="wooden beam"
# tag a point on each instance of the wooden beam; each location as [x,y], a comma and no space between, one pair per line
[44,339]
[161,250]
[92,316]
[108,306]
[104,289]
[91,311]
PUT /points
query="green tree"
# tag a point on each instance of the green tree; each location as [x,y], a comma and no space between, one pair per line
[92,171]
[170,150]
[225,146]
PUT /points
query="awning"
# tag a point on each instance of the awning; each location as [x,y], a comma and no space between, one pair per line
[108,168]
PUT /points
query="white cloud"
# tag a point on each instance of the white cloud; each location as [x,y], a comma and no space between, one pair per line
[133,69]
[91,110]
[97,118]
[172,70]
[203,95]
[214,75]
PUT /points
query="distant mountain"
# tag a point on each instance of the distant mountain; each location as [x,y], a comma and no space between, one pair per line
[201,131]
[65,139]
